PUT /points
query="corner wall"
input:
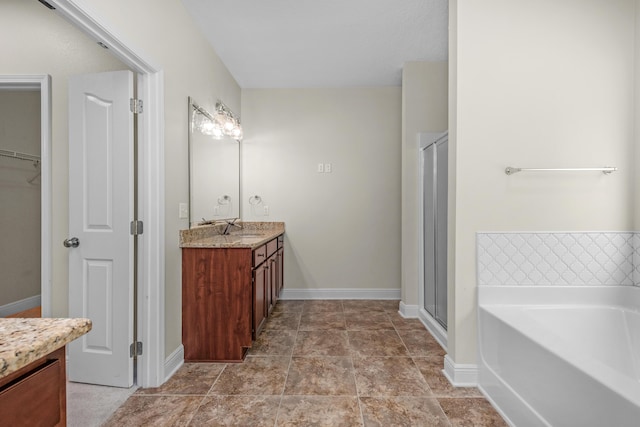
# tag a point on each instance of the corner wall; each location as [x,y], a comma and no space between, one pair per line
[424,109]
[166,33]
[190,67]
[538,84]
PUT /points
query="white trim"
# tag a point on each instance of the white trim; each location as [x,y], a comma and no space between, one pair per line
[435,328]
[408,311]
[151,255]
[174,362]
[43,83]
[310,294]
[18,306]
[460,375]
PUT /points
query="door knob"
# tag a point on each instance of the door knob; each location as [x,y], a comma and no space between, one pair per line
[71,243]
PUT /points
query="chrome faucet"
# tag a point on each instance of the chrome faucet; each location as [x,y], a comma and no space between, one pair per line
[230,223]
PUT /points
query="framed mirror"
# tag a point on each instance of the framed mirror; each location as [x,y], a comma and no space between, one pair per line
[214,170]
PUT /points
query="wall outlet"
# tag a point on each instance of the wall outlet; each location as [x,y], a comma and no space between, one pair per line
[265,210]
[327,168]
[320,167]
[183,211]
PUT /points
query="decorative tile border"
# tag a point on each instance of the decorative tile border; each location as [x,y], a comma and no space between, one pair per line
[589,258]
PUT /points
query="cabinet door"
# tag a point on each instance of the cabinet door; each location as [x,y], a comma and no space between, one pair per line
[273,281]
[260,279]
[279,272]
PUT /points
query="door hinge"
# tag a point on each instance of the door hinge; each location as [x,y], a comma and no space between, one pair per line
[136,227]
[135,349]
[135,105]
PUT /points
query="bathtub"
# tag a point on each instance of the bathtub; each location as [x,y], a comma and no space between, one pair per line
[561,355]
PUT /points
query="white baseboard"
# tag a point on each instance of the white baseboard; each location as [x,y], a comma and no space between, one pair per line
[311,294]
[408,311]
[18,306]
[460,375]
[173,362]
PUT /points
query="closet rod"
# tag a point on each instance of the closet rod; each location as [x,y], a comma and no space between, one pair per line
[19,156]
[606,170]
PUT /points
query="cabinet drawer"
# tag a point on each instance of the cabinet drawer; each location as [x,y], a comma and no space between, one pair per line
[33,399]
[280,242]
[259,255]
[272,247]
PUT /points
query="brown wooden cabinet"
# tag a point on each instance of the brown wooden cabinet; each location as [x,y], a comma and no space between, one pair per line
[227,295]
[36,395]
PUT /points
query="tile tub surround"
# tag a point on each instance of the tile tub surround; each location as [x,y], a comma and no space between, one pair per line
[334,371]
[23,341]
[251,235]
[565,259]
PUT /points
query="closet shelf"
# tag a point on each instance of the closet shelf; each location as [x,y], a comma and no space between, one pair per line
[19,156]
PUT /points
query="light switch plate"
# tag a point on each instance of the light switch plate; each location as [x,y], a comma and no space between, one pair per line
[183,211]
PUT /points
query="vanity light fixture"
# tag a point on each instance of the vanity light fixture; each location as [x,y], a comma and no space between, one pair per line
[223,122]
[227,121]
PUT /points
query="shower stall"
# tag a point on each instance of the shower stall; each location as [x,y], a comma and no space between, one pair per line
[434,170]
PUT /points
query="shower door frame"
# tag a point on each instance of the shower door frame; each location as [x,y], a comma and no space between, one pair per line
[425,139]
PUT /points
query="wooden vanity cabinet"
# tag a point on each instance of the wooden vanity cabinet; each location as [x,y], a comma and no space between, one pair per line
[36,395]
[216,303]
[227,295]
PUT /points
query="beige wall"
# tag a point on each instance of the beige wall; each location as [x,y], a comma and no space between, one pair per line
[20,200]
[43,43]
[164,35]
[539,84]
[424,109]
[343,228]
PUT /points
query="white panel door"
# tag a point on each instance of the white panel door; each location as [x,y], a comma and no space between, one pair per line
[100,211]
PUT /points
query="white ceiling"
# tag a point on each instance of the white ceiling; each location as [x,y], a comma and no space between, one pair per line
[322,43]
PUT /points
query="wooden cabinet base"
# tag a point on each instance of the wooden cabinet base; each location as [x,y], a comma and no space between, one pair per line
[216,304]
[227,295]
[36,395]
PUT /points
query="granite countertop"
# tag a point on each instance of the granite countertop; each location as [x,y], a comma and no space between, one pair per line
[251,235]
[23,341]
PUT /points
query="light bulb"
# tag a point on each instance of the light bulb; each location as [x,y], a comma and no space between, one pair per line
[217,133]
[207,127]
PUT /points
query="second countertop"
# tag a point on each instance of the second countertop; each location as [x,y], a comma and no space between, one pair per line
[23,341]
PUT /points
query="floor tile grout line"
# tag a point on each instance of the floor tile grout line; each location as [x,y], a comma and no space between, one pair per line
[224,368]
[429,355]
[193,414]
[286,377]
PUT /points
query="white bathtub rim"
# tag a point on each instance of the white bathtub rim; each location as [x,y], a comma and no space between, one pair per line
[624,296]
[624,386]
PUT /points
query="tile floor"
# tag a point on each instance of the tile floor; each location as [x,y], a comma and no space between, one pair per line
[319,363]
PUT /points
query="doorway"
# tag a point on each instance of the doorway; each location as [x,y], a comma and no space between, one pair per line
[30,161]
[150,264]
